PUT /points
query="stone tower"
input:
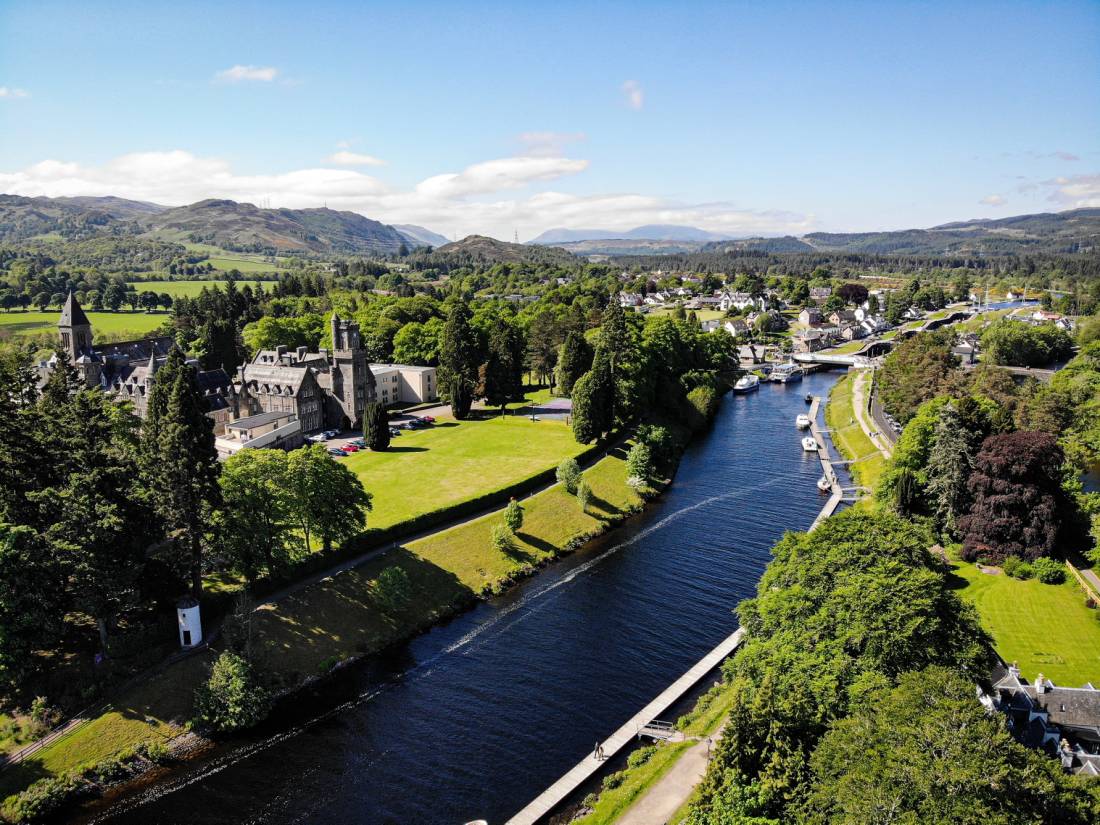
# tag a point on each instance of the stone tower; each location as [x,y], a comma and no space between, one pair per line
[75,329]
[352,379]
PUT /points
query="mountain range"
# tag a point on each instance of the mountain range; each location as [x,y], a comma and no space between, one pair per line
[649,232]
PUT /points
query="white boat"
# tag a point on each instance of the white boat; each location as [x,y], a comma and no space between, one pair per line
[785,373]
[746,383]
[802,422]
[809,444]
[824,485]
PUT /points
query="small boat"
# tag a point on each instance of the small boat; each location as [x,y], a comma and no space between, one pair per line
[809,444]
[809,398]
[785,373]
[746,383]
[802,422]
[824,485]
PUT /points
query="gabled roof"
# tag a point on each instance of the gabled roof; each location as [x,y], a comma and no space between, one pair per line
[72,315]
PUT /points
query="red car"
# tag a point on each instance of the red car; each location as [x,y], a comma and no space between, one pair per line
[427,419]
[350,448]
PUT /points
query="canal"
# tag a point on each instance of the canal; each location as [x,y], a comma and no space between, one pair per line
[475,718]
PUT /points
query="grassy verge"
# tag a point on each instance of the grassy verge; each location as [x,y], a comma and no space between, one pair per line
[1044,628]
[614,801]
[848,435]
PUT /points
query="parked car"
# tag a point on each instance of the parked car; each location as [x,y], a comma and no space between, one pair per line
[416,424]
[350,448]
[334,451]
[394,431]
[330,433]
[427,419]
[360,443]
[316,439]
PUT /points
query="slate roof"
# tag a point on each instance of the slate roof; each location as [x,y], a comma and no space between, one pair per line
[71,314]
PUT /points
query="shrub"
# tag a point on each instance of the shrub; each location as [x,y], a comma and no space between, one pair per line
[614,780]
[393,589]
[635,483]
[513,515]
[502,539]
[1048,570]
[233,697]
[639,461]
[584,495]
[659,441]
[569,474]
[640,756]
[1016,567]
[42,798]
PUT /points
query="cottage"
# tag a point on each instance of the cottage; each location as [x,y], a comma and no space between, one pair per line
[736,326]
[843,317]
[966,352]
[810,317]
[630,299]
[821,293]
[809,340]
[853,332]
[710,326]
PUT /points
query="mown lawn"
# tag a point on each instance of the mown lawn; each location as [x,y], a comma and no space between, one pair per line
[189,289]
[848,435]
[425,470]
[1044,628]
[28,323]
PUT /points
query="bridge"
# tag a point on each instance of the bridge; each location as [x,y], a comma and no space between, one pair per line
[827,359]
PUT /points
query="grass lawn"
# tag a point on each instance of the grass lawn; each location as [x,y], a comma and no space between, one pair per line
[701,314]
[28,323]
[244,265]
[1044,628]
[848,435]
[424,470]
[189,289]
[845,349]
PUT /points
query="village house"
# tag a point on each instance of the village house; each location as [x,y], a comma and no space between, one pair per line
[810,317]
[630,299]
[1063,721]
[852,332]
[809,340]
[127,369]
[739,300]
[710,326]
[820,293]
[843,317]
[736,326]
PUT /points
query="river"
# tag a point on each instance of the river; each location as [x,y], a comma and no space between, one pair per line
[475,718]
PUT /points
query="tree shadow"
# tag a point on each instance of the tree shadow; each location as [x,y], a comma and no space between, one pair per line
[393,449]
[954,581]
[608,509]
[542,545]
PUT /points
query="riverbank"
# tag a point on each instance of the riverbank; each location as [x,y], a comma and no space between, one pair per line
[318,629]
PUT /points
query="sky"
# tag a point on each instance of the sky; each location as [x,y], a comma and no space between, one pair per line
[508,119]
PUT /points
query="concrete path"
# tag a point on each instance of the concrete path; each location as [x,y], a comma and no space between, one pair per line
[859,402]
[657,805]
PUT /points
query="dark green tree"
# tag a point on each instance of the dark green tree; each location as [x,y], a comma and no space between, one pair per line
[593,399]
[31,602]
[459,359]
[328,499]
[255,521]
[376,427]
[950,461]
[233,697]
[575,361]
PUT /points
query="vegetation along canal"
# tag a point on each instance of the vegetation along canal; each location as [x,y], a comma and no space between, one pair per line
[475,718]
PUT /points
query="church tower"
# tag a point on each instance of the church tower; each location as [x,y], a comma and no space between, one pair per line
[75,329]
[352,379]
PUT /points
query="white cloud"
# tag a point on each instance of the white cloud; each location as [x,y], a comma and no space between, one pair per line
[237,74]
[993,200]
[1067,156]
[11,92]
[485,198]
[540,144]
[346,158]
[1075,192]
[635,98]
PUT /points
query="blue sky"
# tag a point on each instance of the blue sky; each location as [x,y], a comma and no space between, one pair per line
[496,118]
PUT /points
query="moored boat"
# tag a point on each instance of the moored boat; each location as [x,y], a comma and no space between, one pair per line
[809,398]
[746,383]
[824,485]
[809,444]
[802,422]
[786,373]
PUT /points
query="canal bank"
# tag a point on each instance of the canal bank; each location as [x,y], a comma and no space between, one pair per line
[474,717]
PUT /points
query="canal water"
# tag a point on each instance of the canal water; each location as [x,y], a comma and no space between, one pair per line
[473,719]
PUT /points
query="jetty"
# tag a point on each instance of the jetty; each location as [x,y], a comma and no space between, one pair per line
[637,725]
[836,492]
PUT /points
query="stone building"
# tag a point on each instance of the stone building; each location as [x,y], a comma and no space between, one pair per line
[127,369]
[324,389]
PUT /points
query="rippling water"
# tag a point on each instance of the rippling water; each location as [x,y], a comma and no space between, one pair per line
[475,718]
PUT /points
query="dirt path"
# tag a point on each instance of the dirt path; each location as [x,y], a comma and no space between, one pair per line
[859,402]
[657,805]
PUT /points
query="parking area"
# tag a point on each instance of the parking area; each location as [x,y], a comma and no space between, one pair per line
[340,443]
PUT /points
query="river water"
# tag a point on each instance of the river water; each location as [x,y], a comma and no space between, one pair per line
[475,718]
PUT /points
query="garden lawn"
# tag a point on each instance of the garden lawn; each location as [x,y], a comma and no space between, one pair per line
[28,323]
[425,470]
[1044,628]
[189,289]
[848,435]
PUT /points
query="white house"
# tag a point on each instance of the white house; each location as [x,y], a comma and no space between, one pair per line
[710,326]
[736,327]
[630,299]
[739,300]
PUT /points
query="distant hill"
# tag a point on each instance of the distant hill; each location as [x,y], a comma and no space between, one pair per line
[419,236]
[244,227]
[478,249]
[649,232]
[626,246]
[120,208]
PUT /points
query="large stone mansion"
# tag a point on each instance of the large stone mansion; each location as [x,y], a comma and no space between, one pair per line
[323,390]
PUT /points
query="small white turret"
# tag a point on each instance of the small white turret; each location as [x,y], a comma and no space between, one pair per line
[190,622]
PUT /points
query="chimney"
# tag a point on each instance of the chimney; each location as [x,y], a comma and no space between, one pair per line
[1040,684]
[302,353]
[1014,670]
[280,351]
[324,355]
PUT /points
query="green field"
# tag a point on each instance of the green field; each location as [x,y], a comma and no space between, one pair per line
[1044,628]
[701,314]
[29,323]
[424,470]
[848,435]
[189,288]
[224,260]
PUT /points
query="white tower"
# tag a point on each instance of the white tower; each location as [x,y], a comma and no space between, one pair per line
[190,622]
